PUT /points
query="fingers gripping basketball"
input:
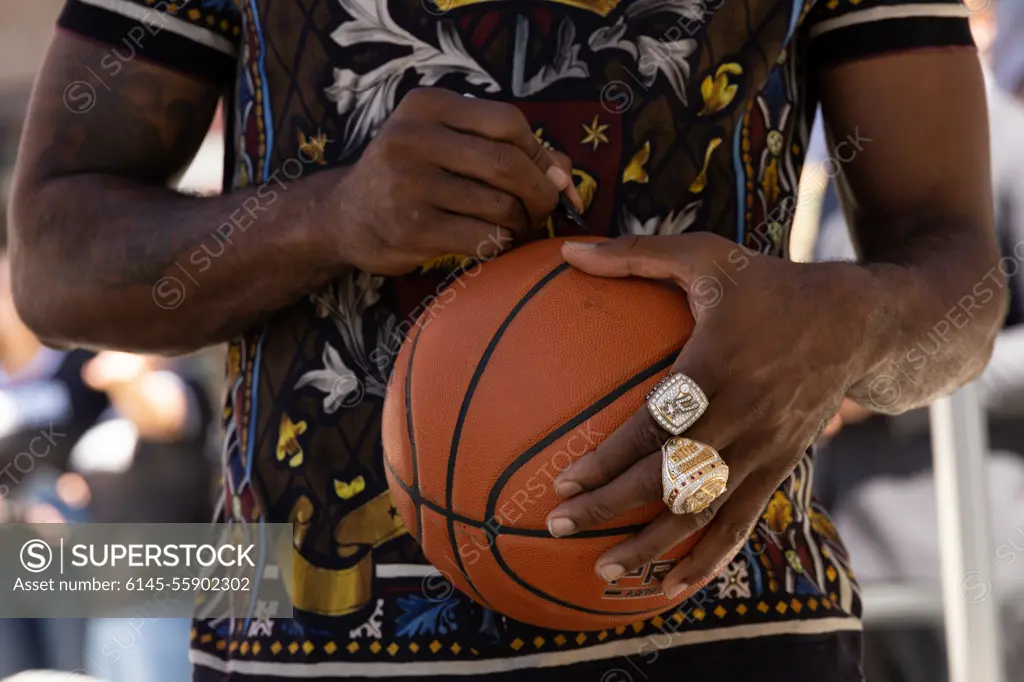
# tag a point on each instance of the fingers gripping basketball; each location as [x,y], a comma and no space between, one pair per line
[524,370]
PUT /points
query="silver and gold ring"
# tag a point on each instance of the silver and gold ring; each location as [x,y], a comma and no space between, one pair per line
[693,475]
[676,402]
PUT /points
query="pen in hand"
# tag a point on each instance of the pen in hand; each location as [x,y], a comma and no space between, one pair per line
[570,211]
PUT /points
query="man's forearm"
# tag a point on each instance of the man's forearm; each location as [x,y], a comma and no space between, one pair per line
[932,310]
[106,262]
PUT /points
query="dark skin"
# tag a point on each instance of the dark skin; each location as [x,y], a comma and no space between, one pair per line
[91,194]
[918,197]
[782,345]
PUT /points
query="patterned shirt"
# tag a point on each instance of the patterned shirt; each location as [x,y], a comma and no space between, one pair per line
[679,115]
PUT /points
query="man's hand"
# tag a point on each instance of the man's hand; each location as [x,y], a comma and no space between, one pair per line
[775,347]
[155,401]
[148,269]
[850,412]
[447,174]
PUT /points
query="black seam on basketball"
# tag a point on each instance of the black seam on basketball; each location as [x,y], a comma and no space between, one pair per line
[418,499]
[594,408]
[464,410]
[664,363]
[412,439]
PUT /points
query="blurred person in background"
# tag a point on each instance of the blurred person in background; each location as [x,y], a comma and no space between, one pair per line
[105,438]
[168,476]
[45,408]
[1008,46]
[149,462]
[874,471]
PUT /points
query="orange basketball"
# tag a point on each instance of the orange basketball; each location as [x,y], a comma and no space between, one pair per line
[518,368]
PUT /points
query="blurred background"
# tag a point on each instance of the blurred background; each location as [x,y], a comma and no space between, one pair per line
[117,437]
[121,437]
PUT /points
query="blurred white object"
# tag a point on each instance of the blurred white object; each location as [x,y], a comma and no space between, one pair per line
[139,649]
[893,545]
[206,174]
[959,449]
[108,447]
[50,676]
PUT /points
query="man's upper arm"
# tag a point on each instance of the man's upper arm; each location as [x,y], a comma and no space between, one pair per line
[127,90]
[901,85]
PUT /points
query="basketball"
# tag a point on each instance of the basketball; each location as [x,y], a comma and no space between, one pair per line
[520,367]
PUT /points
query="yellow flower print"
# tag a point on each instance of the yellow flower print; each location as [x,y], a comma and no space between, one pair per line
[779,513]
[718,92]
[300,518]
[586,187]
[595,133]
[234,361]
[448,262]
[347,491]
[312,148]
[288,441]
[539,135]
[698,185]
[822,525]
[635,171]
[770,182]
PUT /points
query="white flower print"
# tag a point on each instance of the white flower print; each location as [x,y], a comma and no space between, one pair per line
[674,223]
[370,97]
[735,583]
[335,380]
[652,55]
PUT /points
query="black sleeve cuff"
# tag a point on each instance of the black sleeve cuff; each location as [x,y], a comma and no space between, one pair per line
[870,39]
[154,42]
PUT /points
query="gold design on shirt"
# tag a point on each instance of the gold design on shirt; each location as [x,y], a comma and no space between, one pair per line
[336,592]
[312,148]
[718,92]
[770,182]
[539,135]
[635,169]
[288,441]
[450,261]
[300,518]
[373,524]
[348,490]
[594,133]
[586,187]
[779,513]
[701,181]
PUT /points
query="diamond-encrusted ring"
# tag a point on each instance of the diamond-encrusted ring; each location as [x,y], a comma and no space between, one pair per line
[676,402]
[692,475]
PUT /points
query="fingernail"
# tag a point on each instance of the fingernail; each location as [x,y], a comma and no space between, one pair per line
[611,572]
[574,196]
[558,176]
[567,489]
[561,526]
[580,245]
[675,590]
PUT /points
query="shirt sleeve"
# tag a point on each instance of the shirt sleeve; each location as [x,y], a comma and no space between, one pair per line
[197,37]
[846,30]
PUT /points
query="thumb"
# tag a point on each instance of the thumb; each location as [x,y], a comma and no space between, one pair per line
[632,256]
